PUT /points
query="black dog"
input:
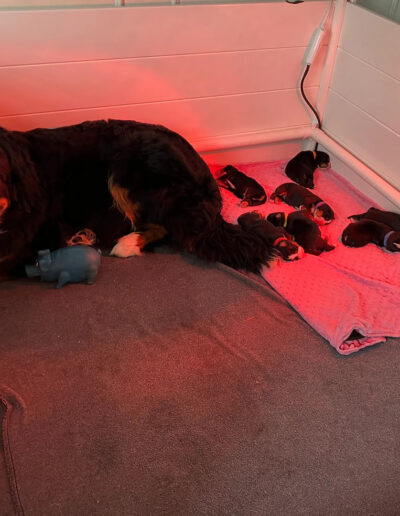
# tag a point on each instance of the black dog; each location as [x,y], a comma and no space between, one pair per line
[304,230]
[112,177]
[301,168]
[389,218]
[244,187]
[277,236]
[299,197]
[363,232]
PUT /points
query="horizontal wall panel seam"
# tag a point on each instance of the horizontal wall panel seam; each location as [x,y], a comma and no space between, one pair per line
[357,151]
[213,97]
[370,65]
[159,56]
[363,111]
[86,34]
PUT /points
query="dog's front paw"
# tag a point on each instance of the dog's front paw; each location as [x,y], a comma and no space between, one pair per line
[129,245]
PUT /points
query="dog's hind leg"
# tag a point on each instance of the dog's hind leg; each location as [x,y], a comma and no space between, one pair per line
[133,243]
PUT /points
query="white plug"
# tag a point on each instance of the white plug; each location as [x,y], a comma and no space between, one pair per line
[314,45]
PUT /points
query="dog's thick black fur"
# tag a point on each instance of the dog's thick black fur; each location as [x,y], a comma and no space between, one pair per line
[55,182]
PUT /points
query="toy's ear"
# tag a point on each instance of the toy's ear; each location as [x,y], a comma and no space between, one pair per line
[44,259]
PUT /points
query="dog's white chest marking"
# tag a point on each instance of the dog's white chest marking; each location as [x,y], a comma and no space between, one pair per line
[128,245]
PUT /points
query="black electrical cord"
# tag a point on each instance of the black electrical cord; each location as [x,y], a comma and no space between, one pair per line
[307,101]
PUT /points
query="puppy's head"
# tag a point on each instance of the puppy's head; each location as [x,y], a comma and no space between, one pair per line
[393,242]
[323,214]
[322,159]
[354,236]
[289,249]
[250,218]
[277,218]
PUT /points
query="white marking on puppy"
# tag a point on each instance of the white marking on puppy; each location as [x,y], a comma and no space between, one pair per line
[129,245]
[298,255]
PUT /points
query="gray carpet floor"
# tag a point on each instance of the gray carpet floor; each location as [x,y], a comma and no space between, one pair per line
[175,387]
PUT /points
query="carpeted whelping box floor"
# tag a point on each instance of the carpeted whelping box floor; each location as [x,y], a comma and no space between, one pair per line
[174,387]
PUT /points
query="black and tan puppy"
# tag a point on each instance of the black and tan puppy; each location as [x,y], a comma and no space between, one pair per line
[301,168]
[246,188]
[278,237]
[389,218]
[301,198]
[363,232]
[304,230]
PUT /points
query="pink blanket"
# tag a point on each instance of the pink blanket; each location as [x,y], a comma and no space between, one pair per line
[339,291]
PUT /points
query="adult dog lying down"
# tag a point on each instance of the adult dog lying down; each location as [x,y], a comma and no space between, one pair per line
[130,183]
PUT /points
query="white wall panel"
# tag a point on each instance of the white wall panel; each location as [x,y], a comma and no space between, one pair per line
[373,91]
[132,81]
[372,142]
[207,71]
[196,119]
[28,37]
[372,39]
[363,107]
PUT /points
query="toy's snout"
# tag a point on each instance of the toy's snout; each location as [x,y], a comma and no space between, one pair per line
[32,271]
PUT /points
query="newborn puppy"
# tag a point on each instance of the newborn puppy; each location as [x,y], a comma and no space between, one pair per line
[301,168]
[277,236]
[304,230]
[363,232]
[299,197]
[386,217]
[244,187]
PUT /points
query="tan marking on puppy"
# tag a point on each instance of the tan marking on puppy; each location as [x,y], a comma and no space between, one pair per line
[122,200]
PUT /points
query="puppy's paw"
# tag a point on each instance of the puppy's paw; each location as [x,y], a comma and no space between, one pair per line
[129,245]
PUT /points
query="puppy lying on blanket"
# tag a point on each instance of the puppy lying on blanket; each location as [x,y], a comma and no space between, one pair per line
[304,230]
[363,232]
[277,236]
[129,183]
[386,217]
[301,198]
[301,168]
[244,187]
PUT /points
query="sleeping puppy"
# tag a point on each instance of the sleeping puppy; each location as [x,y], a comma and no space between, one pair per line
[363,232]
[301,198]
[244,187]
[304,230]
[301,168]
[278,237]
[386,217]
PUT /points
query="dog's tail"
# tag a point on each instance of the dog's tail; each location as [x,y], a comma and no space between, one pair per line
[230,244]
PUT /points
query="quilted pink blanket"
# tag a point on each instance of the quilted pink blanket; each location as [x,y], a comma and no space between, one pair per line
[339,291]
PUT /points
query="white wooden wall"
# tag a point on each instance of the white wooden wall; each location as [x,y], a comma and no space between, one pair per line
[207,71]
[363,107]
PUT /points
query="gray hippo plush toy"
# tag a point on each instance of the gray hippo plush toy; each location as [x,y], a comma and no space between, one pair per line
[66,265]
